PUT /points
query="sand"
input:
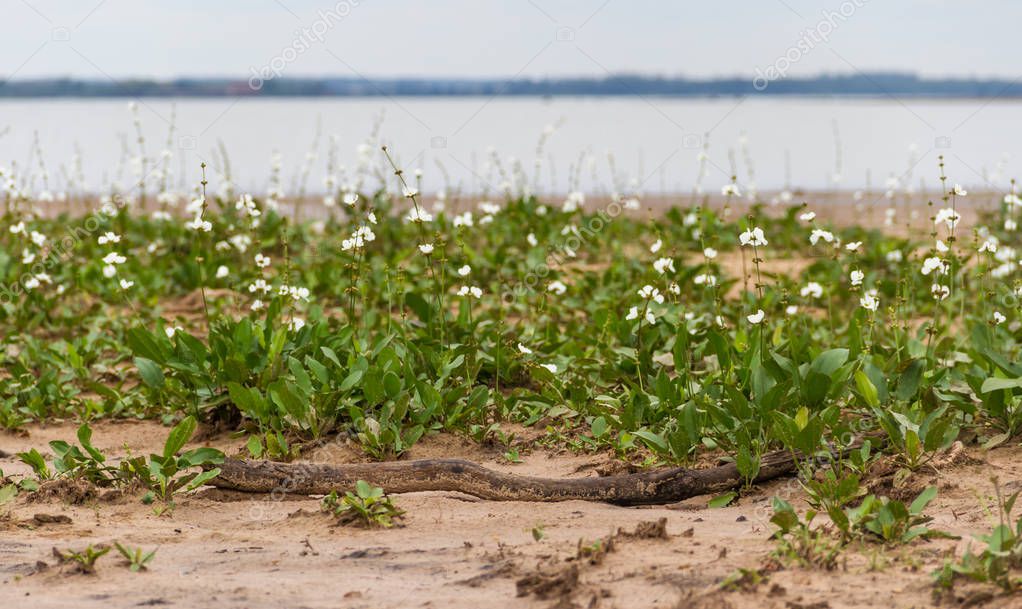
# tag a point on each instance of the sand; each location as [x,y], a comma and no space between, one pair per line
[226,550]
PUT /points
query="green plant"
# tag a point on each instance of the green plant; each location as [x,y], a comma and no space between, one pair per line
[136,557]
[891,521]
[799,542]
[167,473]
[368,506]
[999,561]
[84,560]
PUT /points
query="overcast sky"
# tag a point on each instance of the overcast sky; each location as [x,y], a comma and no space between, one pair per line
[478,38]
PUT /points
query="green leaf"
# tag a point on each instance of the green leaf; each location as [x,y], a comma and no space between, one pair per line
[85,439]
[150,371]
[995,384]
[653,440]
[866,389]
[201,456]
[179,436]
[8,492]
[202,479]
[829,361]
[722,500]
[923,500]
[255,447]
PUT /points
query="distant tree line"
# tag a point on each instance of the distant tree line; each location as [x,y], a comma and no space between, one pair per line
[872,85]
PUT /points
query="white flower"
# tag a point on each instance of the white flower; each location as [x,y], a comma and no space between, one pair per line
[706,278]
[941,247]
[296,293]
[819,233]
[662,265]
[114,258]
[472,291]
[869,301]
[262,261]
[959,191]
[198,224]
[656,246]
[524,349]
[18,228]
[125,284]
[650,318]
[710,253]
[296,324]
[948,216]
[109,271]
[359,238]
[934,264]
[257,305]
[1010,225]
[531,240]
[648,292]
[633,313]
[241,242]
[426,248]
[674,288]
[894,256]
[730,190]
[415,215]
[857,276]
[790,310]
[999,318]
[552,368]
[940,292]
[170,331]
[573,202]
[812,289]
[350,198]
[464,219]
[753,237]
[756,317]
[222,271]
[853,246]
[38,238]
[27,257]
[259,285]
[411,193]
[990,245]
[465,270]
[248,206]
[31,283]
[809,216]
[556,287]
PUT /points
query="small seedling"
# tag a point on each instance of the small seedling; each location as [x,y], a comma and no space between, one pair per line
[368,506]
[137,558]
[83,561]
[166,474]
[538,532]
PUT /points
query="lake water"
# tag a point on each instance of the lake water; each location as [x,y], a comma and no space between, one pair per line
[597,144]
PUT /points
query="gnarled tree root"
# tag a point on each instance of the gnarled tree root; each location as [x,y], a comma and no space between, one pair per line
[644,488]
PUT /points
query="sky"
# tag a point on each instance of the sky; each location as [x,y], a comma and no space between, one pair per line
[117,39]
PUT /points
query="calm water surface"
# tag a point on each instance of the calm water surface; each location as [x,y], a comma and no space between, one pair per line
[597,144]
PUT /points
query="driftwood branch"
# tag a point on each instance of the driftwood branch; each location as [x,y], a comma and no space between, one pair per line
[644,488]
